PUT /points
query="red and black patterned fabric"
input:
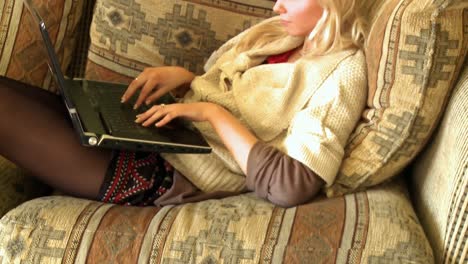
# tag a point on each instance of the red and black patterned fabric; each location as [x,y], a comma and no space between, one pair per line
[136,178]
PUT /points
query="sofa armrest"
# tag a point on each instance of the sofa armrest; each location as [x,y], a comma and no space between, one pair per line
[440,180]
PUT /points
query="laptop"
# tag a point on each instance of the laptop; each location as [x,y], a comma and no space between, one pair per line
[101,120]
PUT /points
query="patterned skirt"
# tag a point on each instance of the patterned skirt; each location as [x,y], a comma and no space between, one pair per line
[136,178]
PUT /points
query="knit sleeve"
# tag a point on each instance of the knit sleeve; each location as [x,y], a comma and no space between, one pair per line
[319,132]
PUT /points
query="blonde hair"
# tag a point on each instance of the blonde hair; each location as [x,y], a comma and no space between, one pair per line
[342,26]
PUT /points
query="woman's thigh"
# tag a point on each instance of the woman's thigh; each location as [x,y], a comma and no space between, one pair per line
[36,133]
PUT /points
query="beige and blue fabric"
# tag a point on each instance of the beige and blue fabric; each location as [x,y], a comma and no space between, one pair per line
[440,181]
[22,54]
[376,226]
[415,52]
[127,36]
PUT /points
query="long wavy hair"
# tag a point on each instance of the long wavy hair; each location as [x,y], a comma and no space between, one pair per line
[342,26]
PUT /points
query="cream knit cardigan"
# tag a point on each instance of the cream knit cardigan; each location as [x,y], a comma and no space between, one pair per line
[307,109]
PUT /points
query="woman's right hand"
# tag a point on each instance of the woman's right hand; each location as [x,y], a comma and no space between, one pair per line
[156,81]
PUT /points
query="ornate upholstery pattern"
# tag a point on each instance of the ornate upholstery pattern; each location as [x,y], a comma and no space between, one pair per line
[127,36]
[414,54]
[22,54]
[240,229]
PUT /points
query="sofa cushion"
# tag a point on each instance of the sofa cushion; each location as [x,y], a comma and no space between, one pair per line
[440,181]
[376,226]
[127,36]
[414,54]
[22,54]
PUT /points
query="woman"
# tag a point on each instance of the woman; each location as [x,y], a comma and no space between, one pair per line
[277,106]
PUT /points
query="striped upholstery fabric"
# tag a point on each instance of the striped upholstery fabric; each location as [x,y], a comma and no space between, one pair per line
[376,226]
[22,55]
[440,182]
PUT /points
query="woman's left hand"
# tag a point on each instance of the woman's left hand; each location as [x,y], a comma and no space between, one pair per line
[160,115]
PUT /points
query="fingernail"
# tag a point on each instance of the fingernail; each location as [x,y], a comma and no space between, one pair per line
[147,102]
[122,99]
[137,120]
[135,107]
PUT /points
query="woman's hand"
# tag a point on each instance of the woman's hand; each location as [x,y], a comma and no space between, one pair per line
[235,136]
[157,81]
[160,115]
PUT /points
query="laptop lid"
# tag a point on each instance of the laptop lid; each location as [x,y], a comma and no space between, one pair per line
[55,70]
[53,62]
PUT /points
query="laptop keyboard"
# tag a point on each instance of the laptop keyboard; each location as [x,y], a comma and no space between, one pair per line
[117,116]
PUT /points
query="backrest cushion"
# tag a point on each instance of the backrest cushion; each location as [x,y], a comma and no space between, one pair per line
[414,54]
[22,55]
[128,36]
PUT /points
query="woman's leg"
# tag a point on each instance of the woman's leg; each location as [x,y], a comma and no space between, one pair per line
[36,134]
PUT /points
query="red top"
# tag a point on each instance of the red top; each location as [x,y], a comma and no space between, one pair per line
[279,58]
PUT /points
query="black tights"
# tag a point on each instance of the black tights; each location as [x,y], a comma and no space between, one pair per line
[35,133]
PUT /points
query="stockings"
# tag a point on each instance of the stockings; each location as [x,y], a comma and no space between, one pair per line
[36,134]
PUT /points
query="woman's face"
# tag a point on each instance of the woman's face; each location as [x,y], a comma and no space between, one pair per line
[299,17]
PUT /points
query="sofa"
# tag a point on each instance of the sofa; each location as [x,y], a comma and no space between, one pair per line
[401,195]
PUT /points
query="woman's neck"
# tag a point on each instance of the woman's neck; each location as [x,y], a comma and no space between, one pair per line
[297,54]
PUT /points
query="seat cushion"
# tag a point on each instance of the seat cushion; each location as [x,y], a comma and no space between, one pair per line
[376,226]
